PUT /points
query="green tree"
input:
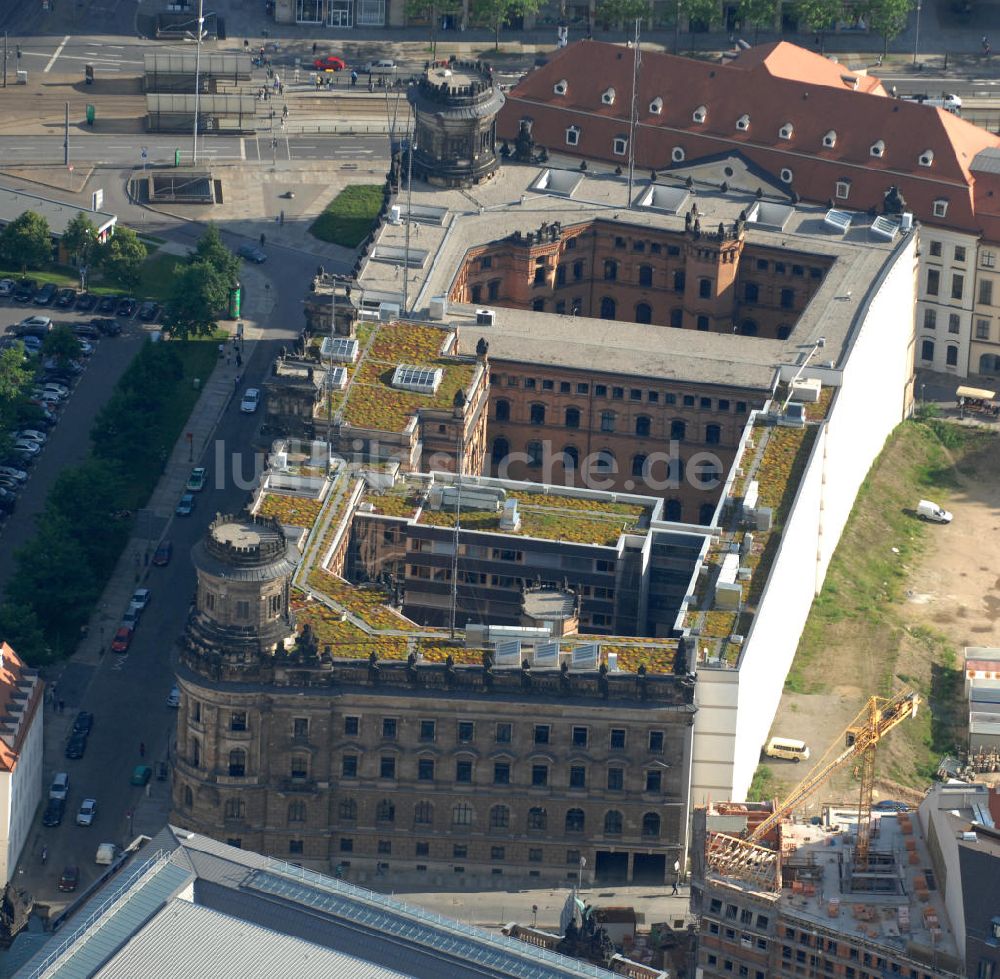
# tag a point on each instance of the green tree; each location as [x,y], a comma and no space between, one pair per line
[80,238]
[211,249]
[60,343]
[756,13]
[15,374]
[430,11]
[614,12]
[818,16]
[20,628]
[494,13]
[197,295]
[26,243]
[121,256]
[887,17]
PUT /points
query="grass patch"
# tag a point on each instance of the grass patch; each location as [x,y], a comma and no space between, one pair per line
[156,276]
[63,276]
[763,786]
[349,217]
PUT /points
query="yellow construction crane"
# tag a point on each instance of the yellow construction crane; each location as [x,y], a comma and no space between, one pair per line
[747,859]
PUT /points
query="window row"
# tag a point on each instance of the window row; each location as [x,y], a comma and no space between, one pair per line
[237,721]
[933,286]
[927,353]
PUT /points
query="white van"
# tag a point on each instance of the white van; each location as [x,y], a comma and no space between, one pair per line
[60,786]
[928,510]
[381,67]
[107,853]
[787,748]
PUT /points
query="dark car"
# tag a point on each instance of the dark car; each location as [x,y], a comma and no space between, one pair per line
[85,302]
[84,331]
[252,253]
[46,294]
[161,558]
[84,723]
[65,298]
[107,327]
[70,879]
[54,811]
[107,304]
[148,312]
[76,746]
[24,291]
[126,307]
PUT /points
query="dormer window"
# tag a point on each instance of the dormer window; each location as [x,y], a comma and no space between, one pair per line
[620,145]
[843,190]
[656,106]
[700,114]
[786,175]
[785,132]
[927,158]
[878,148]
[830,139]
[561,87]
[608,98]
[743,123]
[572,135]
[677,154]
[940,208]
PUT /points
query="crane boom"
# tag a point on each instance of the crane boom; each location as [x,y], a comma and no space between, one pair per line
[746,858]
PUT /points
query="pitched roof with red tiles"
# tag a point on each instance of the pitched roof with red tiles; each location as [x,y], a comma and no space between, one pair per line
[783,60]
[15,676]
[779,106]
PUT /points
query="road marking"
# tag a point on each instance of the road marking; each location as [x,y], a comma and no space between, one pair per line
[243,148]
[110,59]
[55,55]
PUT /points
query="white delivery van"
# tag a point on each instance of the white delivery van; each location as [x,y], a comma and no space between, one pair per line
[107,853]
[787,748]
[927,510]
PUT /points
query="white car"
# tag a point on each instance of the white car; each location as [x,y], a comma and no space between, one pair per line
[49,397]
[6,287]
[251,398]
[57,388]
[174,697]
[33,434]
[140,598]
[86,348]
[88,810]
[19,474]
[60,786]
[27,447]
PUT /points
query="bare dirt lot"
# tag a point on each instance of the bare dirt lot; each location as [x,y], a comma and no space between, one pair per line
[901,600]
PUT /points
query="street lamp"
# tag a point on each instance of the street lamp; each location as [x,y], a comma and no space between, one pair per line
[197,83]
[916,39]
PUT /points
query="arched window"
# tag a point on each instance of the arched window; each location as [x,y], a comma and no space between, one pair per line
[501,449]
[673,510]
[572,418]
[385,811]
[651,824]
[423,814]
[604,461]
[639,465]
[927,350]
[643,313]
[502,410]
[347,810]
[679,280]
[237,763]
[571,457]
[713,434]
[608,308]
[538,414]
[645,276]
[537,818]
[705,513]
[989,364]
[195,753]
[642,426]
[534,451]
[188,797]
[677,318]
[461,815]
[499,817]
[297,811]
[610,269]
[575,820]
[612,823]
[748,328]
[235,809]
[678,429]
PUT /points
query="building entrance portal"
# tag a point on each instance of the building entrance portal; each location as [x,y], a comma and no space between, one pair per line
[611,868]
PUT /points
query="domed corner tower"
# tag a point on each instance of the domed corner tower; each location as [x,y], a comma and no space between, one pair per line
[455,109]
[244,566]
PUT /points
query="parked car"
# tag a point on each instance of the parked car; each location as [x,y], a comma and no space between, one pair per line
[163,553]
[6,287]
[122,640]
[185,506]
[174,697]
[107,304]
[148,312]
[70,878]
[85,302]
[65,298]
[196,481]
[88,810]
[87,348]
[107,853]
[926,510]
[8,485]
[84,723]
[329,63]
[24,291]
[380,67]
[46,294]
[54,811]
[251,398]
[34,435]
[42,397]
[141,774]
[126,308]
[59,788]
[252,253]
[76,746]
[84,331]
[27,448]
[32,345]
[37,326]
[130,620]
[19,474]
[67,366]
[106,327]
[141,597]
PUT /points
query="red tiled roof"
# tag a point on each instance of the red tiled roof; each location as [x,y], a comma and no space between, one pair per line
[784,60]
[11,671]
[775,86]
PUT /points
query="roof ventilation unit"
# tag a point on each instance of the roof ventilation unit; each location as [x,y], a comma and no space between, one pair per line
[438,307]
[927,158]
[422,380]
[387,312]
[510,519]
[786,175]
[830,139]
[656,106]
[794,415]
[561,87]
[906,221]
[878,148]
[608,98]
[785,132]
[485,317]
[677,154]
[743,123]
[700,114]
[395,214]
[806,389]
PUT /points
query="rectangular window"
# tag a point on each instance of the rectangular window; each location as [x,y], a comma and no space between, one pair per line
[459,851]
[243,610]
[843,190]
[385,847]
[988,260]
[580,737]
[985,292]
[616,779]
[617,741]
[238,721]
[389,728]
[541,734]
[577,777]
[653,397]
[428,730]
[654,778]
[617,394]
[953,322]
[466,731]
[936,249]
[346,845]
[539,775]
[656,742]
[933,282]
[930,319]
[422,849]
[582,388]
[534,855]
[601,390]
[959,253]
[982,329]
[501,773]
[349,766]
[787,298]
[957,286]
[463,772]
[548,385]
[529,384]
[425,769]
[503,733]
[940,209]
[300,728]
[299,767]
[387,767]
[723,404]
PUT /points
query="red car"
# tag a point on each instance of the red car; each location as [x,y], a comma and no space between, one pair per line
[161,557]
[122,639]
[330,63]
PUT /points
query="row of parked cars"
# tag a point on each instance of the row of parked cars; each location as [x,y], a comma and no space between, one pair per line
[30,291]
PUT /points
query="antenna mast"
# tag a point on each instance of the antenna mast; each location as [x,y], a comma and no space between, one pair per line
[633,114]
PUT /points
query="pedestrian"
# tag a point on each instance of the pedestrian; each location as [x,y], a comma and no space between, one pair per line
[62,706]
[354,78]
[314,49]
[262,240]
[239,360]
[281,88]
[236,383]
[986,46]
[674,891]
[228,358]
[284,111]
[222,350]
[142,749]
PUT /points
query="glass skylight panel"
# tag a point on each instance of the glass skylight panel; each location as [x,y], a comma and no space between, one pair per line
[423,380]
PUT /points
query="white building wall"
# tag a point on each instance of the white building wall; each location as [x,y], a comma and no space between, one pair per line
[875,394]
[20,794]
